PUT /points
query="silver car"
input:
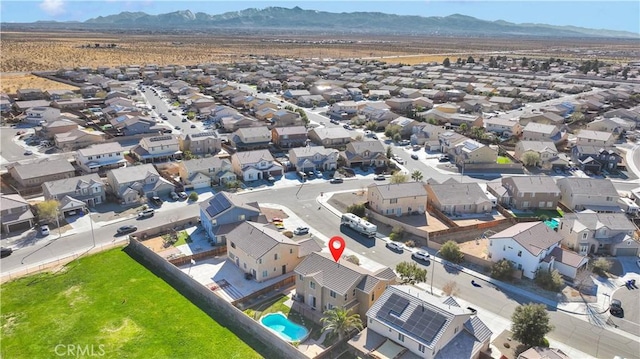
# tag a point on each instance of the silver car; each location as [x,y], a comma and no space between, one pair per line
[420,255]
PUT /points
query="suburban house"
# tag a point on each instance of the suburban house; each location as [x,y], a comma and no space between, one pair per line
[427,134]
[205,172]
[263,252]
[255,165]
[314,158]
[100,157]
[131,184]
[588,232]
[201,144]
[596,159]
[405,125]
[35,174]
[506,103]
[543,353]
[41,114]
[589,193]
[251,138]
[283,118]
[78,138]
[398,198]
[613,125]
[545,150]
[545,118]
[365,153]
[223,211]
[330,136]
[472,151]
[30,94]
[291,136]
[453,197]
[449,139]
[595,138]
[503,126]
[406,322]
[157,149]
[527,245]
[532,192]
[69,104]
[89,190]
[60,125]
[323,284]
[400,105]
[540,132]
[15,213]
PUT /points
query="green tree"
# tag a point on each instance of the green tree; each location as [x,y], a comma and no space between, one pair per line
[398,177]
[531,158]
[417,176]
[549,280]
[576,117]
[410,273]
[601,266]
[530,323]
[371,125]
[463,128]
[389,152]
[392,130]
[193,196]
[191,115]
[451,252]
[357,208]
[188,155]
[339,322]
[233,184]
[470,60]
[396,233]
[502,269]
[524,62]
[446,62]
[47,210]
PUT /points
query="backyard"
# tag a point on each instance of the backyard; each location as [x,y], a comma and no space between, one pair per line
[112,302]
[503,160]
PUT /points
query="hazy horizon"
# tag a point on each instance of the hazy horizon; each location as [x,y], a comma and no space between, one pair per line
[609,15]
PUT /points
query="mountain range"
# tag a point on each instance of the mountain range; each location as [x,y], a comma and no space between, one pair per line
[321,22]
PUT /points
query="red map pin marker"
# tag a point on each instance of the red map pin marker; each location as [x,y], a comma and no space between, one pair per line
[336,246]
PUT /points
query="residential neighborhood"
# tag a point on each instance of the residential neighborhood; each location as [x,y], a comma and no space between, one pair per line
[233,177]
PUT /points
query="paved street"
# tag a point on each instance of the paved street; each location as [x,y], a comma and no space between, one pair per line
[173,118]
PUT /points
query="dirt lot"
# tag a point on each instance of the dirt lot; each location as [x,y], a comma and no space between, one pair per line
[15,81]
[477,248]
[341,201]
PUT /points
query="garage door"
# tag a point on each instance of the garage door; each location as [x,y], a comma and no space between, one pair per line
[22,226]
[627,252]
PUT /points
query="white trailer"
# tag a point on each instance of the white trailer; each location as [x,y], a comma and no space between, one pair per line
[359,225]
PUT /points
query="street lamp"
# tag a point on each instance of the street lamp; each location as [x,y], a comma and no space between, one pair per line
[58,222]
[433,270]
[93,236]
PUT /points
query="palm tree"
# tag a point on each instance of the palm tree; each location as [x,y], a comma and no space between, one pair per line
[340,322]
[417,176]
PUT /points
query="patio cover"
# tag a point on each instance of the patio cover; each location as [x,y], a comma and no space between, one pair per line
[388,350]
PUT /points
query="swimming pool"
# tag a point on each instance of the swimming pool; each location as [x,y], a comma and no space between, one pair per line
[552,223]
[285,328]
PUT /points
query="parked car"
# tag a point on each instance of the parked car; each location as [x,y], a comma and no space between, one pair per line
[616,308]
[416,147]
[28,152]
[177,128]
[374,137]
[336,180]
[443,158]
[126,229]
[184,120]
[5,252]
[420,255]
[379,178]
[174,196]
[395,246]
[193,125]
[183,195]
[414,156]
[147,213]
[301,231]
[44,230]
[156,200]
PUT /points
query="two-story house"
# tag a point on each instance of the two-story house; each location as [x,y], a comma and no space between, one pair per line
[588,232]
[545,118]
[532,192]
[41,114]
[35,174]
[410,323]
[343,110]
[596,159]
[284,118]
[251,138]
[526,245]
[541,132]
[78,138]
[201,144]
[100,157]
[88,190]
[503,126]
[220,213]
[15,213]
[471,151]
[255,165]
[157,149]
[453,197]
[545,150]
[398,198]
[595,138]
[205,172]
[323,284]
[261,251]
[613,125]
[330,136]
[314,158]
[427,134]
[131,184]
[290,136]
[589,193]
[448,141]
[60,125]
[365,153]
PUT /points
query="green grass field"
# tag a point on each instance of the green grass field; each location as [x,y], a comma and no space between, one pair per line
[110,299]
[503,160]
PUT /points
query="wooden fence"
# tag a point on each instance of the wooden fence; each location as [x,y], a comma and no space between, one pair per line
[218,251]
[284,283]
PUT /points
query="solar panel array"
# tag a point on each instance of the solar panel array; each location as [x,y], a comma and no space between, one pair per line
[217,204]
[422,323]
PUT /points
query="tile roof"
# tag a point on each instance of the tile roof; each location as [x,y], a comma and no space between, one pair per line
[43,168]
[594,221]
[133,173]
[251,157]
[589,186]
[68,185]
[101,148]
[532,184]
[256,239]
[454,193]
[532,236]
[399,190]
[567,257]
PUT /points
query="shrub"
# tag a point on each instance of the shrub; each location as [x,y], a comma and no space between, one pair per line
[193,196]
[550,280]
[288,234]
[353,259]
[410,243]
[601,266]
[357,209]
[397,233]
[502,270]
[450,288]
[451,252]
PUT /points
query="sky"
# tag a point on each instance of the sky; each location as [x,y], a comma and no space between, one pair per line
[611,15]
